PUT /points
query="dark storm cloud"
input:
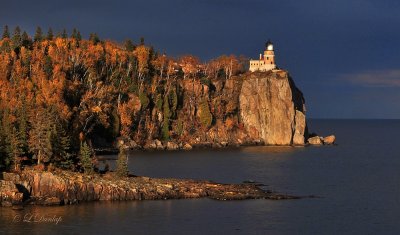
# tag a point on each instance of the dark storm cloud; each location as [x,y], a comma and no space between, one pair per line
[317,41]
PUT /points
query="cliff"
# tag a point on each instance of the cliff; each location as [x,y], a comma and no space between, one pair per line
[272,108]
[248,109]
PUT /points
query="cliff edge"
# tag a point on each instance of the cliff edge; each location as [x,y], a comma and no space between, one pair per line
[272,108]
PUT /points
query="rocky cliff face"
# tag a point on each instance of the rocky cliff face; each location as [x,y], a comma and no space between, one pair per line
[252,108]
[272,108]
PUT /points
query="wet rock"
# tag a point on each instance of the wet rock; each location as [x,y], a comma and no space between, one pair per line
[316,140]
[328,140]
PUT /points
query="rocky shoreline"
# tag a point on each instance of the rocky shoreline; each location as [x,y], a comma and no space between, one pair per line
[32,187]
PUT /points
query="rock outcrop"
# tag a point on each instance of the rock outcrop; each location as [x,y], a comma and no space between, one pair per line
[273,109]
[316,140]
[328,140]
[64,187]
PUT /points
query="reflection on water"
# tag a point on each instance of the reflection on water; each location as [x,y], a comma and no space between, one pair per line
[271,149]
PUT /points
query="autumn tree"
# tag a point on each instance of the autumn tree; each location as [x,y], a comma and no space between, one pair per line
[189,65]
[142,54]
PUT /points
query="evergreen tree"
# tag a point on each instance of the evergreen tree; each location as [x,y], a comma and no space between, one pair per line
[15,148]
[38,35]
[6,32]
[40,135]
[16,39]
[94,38]
[74,34]
[23,125]
[64,34]
[85,156]
[129,46]
[78,36]
[60,144]
[141,41]
[122,163]
[50,34]
[26,40]
[167,115]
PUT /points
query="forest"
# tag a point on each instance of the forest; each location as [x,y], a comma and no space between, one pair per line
[61,96]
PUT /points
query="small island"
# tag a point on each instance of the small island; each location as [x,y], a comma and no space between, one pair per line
[64,99]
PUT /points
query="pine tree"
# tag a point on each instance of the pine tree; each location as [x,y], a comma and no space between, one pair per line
[64,34]
[122,163]
[129,46]
[40,135]
[16,39]
[78,36]
[50,34]
[74,34]
[94,38]
[60,143]
[6,32]
[38,35]
[85,156]
[26,41]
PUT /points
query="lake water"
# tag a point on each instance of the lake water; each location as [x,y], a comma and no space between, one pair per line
[358,182]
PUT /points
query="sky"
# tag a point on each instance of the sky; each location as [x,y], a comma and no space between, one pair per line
[343,54]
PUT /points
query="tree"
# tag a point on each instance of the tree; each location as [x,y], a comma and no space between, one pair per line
[26,40]
[64,34]
[128,44]
[189,64]
[122,163]
[6,32]
[50,34]
[85,156]
[94,38]
[74,34]
[40,135]
[16,39]
[38,35]
[142,54]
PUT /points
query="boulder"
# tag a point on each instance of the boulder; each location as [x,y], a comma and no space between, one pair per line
[9,193]
[172,146]
[329,139]
[187,146]
[159,145]
[316,140]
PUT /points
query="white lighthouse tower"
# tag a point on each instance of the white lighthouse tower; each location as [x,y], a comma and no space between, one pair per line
[266,61]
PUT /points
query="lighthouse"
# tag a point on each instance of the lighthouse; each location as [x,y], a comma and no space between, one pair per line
[266,61]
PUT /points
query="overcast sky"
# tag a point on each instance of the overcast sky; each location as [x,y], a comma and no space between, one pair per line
[343,54]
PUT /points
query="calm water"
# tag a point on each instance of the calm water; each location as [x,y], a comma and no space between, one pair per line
[358,180]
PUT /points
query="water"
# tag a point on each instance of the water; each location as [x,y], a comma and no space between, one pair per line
[358,182]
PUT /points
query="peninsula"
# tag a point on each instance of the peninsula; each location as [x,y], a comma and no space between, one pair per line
[62,97]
